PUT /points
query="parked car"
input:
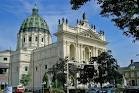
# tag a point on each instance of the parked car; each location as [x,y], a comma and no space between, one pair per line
[131,90]
[93,90]
[109,88]
[20,89]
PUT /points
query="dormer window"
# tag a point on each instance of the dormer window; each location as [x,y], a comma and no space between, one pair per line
[132,67]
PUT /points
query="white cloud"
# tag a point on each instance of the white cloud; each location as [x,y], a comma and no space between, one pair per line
[26,5]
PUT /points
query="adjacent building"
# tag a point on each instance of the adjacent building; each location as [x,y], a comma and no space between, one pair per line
[4,67]
[131,74]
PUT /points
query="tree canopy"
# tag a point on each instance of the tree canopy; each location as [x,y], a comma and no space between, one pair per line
[25,79]
[45,79]
[124,14]
[106,70]
[59,77]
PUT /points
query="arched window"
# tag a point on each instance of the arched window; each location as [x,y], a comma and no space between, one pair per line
[86,54]
[26,68]
[72,51]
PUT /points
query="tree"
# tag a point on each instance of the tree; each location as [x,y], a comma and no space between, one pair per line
[25,79]
[59,77]
[73,73]
[105,71]
[107,68]
[124,13]
[87,74]
[45,79]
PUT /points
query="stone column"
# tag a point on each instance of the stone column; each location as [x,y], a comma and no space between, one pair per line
[96,51]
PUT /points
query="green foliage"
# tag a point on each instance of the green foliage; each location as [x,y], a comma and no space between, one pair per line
[56,90]
[77,3]
[72,70]
[107,70]
[59,77]
[87,74]
[45,79]
[26,78]
[124,13]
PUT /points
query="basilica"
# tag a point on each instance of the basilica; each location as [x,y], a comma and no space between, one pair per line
[36,53]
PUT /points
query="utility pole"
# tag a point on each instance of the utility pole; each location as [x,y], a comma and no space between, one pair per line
[33,68]
[10,66]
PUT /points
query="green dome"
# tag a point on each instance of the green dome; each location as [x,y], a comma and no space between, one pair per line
[34,21]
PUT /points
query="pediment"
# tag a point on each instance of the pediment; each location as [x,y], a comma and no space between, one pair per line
[90,34]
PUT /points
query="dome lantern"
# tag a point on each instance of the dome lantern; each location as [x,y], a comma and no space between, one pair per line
[35,10]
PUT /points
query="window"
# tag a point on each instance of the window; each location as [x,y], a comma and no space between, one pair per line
[36,68]
[137,82]
[3,70]
[30,38]
[42,39]
[132,74]
[5,59]
[26,68]
[127,74]
[17,68]
[24,39]
[45,66]
[36,39]
[137,73]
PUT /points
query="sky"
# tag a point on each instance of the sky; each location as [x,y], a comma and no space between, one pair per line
[13,12]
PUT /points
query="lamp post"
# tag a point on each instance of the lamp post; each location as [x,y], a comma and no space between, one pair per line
[67,78]
[68,75]
[76,64]
[43,86]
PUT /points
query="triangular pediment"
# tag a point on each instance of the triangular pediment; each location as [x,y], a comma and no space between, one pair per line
[90,34]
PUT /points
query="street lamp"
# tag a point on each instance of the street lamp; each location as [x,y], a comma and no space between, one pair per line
[43,86]
[68,74]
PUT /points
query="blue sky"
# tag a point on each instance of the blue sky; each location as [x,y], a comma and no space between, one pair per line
[13,12]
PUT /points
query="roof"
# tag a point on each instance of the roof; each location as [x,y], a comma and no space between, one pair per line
[34,21]
[136,64]
[5,51]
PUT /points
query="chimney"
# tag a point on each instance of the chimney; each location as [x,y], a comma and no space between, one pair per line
[131,61]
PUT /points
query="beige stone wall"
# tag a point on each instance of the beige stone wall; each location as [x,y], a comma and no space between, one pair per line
[36,39]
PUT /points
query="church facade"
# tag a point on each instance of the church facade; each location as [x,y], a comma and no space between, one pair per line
[36,53]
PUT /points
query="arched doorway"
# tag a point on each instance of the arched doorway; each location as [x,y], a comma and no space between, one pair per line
[72,51]
[86,54]
[133,82]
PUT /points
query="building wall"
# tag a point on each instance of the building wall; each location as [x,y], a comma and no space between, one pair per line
[4,63]
[43,59]
[38,39]
[3,55]
[66,37]
[131,76]
[19,60]
[81,37]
